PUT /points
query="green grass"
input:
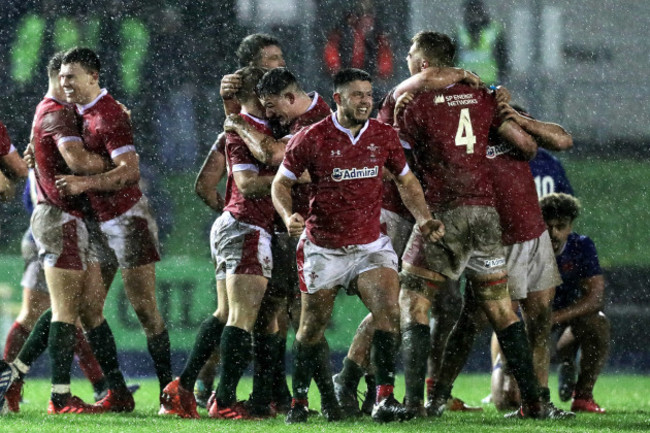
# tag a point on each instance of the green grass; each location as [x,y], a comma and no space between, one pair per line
[624,396]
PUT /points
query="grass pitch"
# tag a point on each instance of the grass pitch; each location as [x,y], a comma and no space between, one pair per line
[625,397]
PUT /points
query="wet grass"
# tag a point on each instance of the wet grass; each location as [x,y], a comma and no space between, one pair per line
[625,397]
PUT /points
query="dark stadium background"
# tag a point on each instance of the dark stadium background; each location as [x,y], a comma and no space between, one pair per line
[582,64]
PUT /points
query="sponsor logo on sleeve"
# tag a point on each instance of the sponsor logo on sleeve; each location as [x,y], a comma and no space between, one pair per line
[341,174]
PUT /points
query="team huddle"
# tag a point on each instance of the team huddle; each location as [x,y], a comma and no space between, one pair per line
[393,210]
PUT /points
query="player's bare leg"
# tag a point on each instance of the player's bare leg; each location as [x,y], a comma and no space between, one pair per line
[140,288]
[34,304]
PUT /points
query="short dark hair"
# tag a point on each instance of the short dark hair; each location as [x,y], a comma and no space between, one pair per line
[250,76]
[436,47]
[250,48]
[86,57]
[349,75]
[559,206]
[54,64]
[275,81]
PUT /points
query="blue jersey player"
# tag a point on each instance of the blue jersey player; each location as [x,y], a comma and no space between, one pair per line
[549,174]
[578,304]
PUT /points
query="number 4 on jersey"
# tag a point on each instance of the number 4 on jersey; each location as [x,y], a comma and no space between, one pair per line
[465,135]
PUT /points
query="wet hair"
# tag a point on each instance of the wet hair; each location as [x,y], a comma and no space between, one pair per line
[54,64]
[250,48]
[436,47]
[250,76]
[349,75]
[275,81]
[559,206]
[86,57]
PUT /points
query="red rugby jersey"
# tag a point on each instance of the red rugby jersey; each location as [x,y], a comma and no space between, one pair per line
[257,211]
[316,112]
[448,132]
[107,131]
[515,193]
[392,201]
[5,141]
[55,123]
[346,173]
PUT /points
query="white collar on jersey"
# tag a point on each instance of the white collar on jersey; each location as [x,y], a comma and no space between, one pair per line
[89,105]
[353,139]
[255,119]
[57,100]
[314,99]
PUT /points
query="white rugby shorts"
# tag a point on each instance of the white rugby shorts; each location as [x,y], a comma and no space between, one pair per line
[531,267]
[328,268]
[240,249]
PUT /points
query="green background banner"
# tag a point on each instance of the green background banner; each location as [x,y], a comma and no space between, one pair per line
[186,296]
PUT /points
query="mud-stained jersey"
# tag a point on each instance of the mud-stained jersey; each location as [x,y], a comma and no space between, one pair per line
[448,133]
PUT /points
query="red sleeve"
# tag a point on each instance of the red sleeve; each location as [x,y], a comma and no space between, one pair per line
[407,126]
[387,109]
[237,152]
[298,153]
[61,125]
[396,160]
[5,141]
[118,132]
[496,119]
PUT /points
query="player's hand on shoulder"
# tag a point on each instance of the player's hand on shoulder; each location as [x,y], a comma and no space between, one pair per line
[471,79]
[230,84]
[233,122]
[295,225]
[432,230]
[401,103]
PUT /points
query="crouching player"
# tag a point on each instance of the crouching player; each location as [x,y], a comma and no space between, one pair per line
[578,304]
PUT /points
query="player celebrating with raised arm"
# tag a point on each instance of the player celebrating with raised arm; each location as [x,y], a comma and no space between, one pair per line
[341,244]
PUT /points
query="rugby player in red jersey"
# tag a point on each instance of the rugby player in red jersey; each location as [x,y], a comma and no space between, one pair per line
[397,223]
[71,272]
[448,132]
[121,211]
[532,272]
[241,249]
[264,51]
[341,244]
[288,104]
